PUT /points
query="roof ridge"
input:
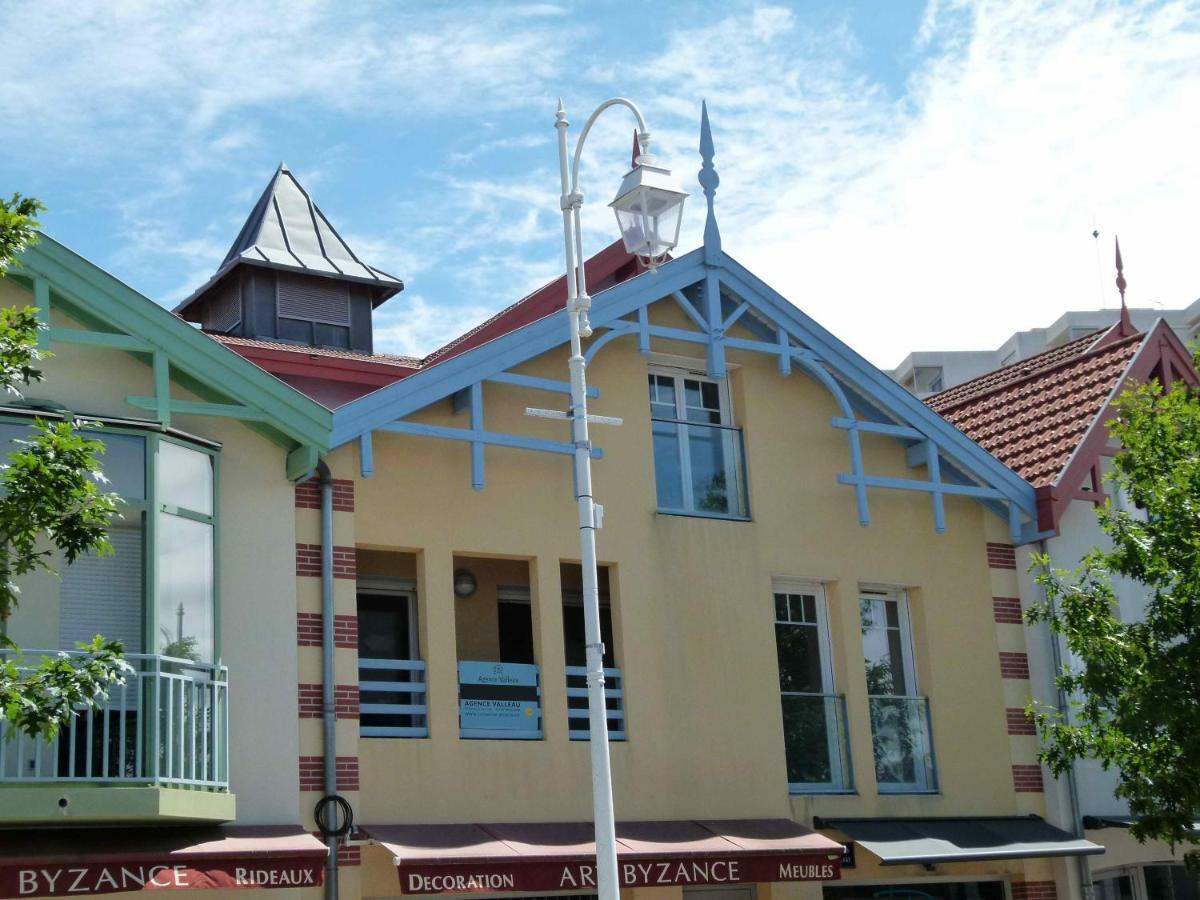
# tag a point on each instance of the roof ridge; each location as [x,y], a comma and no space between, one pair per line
[1027,376]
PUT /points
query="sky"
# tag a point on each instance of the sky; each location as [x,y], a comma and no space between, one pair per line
[913,175]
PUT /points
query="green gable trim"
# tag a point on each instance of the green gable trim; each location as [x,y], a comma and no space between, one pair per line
[137,324]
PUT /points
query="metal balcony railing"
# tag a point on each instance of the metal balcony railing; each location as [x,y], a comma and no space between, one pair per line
[168,725]
[577,704]
[391,696]
[817,743]
[902,735]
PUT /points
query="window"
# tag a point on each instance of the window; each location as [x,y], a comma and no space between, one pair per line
[899,717]
[813,719]
[391,676]
[697,450]
[166,526]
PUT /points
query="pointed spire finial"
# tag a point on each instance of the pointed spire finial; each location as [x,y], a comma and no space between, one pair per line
[637,149]
[1126,324]
[282,166]
[709,180]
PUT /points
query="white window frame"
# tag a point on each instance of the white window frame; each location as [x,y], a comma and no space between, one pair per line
[907,649]
[725,410]
[839,775]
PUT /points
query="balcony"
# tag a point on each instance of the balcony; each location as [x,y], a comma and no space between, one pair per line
[392,698]
[158,747]
[577,704]
[816,742]
[699,469]
[902,735]
[499,701]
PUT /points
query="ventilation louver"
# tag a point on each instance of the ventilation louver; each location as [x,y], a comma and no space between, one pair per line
[312,299]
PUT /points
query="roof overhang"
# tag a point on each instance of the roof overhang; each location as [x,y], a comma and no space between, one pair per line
[555,857]
[928,841]
[76,861]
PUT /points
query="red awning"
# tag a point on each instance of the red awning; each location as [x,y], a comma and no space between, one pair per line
[64,862]
[542,856]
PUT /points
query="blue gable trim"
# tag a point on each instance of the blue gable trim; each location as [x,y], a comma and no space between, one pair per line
[848,375]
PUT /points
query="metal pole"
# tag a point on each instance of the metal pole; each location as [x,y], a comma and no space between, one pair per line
[328,706]
[602,801]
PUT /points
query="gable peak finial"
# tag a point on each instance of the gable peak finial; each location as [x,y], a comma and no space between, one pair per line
[709,180]
[1126,324]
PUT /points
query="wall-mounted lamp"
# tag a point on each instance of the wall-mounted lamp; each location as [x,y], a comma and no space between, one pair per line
[464,583]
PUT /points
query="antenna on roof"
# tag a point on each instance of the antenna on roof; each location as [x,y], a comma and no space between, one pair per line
[1126,324]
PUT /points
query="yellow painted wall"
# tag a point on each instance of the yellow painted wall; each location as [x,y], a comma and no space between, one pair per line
[693,606]
[257,573]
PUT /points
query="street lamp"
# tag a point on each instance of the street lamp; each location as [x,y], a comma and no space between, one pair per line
[649,207]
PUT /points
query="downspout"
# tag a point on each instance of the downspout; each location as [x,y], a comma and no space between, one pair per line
[1062,703]
[328,706]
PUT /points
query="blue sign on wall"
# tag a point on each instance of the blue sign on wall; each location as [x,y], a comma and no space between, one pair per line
[499,697]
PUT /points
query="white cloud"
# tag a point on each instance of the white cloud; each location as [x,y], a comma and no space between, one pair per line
[414,326]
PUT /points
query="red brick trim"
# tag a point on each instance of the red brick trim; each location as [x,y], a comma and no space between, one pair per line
[308,495]
[310,625]
[345,698]
[347,855]
[312,773]
[308,629]
[1034,890]
[1007,610]
[1027,779]
[308,561]
[1017,723]
[1014,665]
[1001,556]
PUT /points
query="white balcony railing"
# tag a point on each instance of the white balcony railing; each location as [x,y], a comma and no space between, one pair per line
[391,696]
[168,725]
[577,703]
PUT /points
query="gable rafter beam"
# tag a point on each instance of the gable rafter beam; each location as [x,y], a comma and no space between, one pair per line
[538,384]
[490,438]
[195,408]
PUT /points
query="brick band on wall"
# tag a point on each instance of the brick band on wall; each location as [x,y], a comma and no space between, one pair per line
[1027,779]
[1014,665]
[308,561]
[1001,556]
[309,626]
[1017,723]
[1007,610]
[1034,890]
[345,698]
[308,495]
[312,773]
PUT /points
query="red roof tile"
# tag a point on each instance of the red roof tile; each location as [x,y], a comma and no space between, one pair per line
[389,359]
[1033,414]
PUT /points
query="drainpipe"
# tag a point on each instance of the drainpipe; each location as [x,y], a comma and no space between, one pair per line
[328,707]
[1062,702]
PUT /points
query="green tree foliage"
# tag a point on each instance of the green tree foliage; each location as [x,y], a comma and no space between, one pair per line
[51,504]
[1134,687]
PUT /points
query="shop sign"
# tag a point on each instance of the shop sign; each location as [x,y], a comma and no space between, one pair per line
[498,696]
[75,879]
[578,875]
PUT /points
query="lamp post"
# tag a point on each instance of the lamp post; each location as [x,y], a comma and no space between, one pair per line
[649,208]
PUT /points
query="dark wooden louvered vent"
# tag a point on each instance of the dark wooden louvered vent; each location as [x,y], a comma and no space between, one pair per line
[312,300]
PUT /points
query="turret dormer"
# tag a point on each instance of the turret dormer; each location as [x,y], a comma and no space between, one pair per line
[290,277]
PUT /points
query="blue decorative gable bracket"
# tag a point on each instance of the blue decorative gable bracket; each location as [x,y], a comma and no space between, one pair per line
[715,293]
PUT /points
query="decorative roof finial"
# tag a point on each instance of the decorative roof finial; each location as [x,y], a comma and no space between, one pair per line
[708,181]
[1126,324]
[637,150]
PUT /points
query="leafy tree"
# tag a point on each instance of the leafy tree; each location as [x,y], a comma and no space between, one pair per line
[1135,686]
[50,503]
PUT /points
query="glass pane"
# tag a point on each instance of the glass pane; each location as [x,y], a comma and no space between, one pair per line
[701,401]
[1171,883]
[124,464]
[896,735]
[781,607]
[882,648]
[10,433]
[806,723]
[185,588]
[185,478]
[668,474]
[662,397]
[707,455]
[103,595]
[810,608]
[799,650]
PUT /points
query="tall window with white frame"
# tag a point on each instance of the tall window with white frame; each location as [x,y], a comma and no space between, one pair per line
[813,715]
[698,462]
[900,723]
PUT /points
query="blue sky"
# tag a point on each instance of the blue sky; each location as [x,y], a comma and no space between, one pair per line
[915,175]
